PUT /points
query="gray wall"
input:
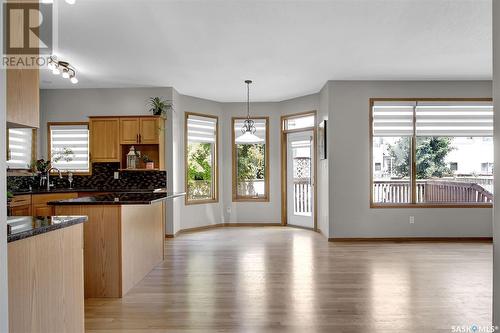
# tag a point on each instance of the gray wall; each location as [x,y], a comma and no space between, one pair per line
[193,216]
[496,221]
[350,214]
[4,300]
[322,181]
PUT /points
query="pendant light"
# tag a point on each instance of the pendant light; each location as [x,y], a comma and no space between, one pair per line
[248,129]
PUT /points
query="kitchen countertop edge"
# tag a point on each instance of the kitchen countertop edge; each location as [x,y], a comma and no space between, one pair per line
[72,220]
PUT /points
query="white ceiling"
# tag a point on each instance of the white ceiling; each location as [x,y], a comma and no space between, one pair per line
[289,48]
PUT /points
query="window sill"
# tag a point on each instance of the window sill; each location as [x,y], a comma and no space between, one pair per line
[243,199]
[437,205]
[200,202]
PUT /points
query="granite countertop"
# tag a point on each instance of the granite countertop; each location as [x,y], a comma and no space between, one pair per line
[120,198]
[72,190]
[21,227]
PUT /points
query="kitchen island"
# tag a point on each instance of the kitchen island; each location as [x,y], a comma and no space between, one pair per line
[123,238]
[45,265]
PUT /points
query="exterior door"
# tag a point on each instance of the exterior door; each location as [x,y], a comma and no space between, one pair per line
[300,175]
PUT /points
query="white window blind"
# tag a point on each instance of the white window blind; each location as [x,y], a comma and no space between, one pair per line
[260,128]
[201,129]
[465,119]
[74,138]
[393,118]
[20,147]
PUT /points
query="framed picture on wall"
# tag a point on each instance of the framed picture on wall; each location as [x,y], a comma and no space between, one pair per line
[322,137]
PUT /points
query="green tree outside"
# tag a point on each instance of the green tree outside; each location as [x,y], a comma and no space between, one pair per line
[431,155]
[251,161]
[199,170]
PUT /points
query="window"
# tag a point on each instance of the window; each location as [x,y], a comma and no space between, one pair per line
[432,153]
[69,146]
[201,158]
[251,162]
[20,148]
[299,122]
[487,168]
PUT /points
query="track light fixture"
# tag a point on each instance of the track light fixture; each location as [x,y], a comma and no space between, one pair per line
[58,67]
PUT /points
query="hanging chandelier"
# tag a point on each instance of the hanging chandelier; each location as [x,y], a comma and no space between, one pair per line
[248,129]
[62,67]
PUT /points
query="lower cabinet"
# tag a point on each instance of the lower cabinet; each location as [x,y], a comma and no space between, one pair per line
[24,210]
[46,282]
[39,202]
[20,205]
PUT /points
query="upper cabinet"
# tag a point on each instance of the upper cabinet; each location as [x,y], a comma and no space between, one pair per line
[149,130]
[139,130]
[129,130]
[112,137]
[104,139]
[23,97]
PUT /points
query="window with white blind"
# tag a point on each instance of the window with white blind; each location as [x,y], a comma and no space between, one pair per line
[69,146]
[20,148]
[201,136]
[250,161]
[432,153]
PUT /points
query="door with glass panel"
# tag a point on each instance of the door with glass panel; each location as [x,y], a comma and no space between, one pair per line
[300,175]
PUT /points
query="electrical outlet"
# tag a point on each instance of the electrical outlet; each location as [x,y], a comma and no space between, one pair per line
[412,219]
[228,210]
[116,175]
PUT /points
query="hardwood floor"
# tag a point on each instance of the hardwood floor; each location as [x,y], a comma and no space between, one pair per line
[278,279]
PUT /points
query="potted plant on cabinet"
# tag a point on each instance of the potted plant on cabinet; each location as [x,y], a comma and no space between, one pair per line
[159,106]
[149,163]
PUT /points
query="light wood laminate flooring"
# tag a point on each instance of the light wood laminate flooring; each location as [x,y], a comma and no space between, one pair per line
[280,279]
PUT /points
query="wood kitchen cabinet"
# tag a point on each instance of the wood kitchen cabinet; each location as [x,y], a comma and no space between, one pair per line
[104,139]
[149,130]
[129,130]
[23,97]
[39,205]
[20,205]
[139,130]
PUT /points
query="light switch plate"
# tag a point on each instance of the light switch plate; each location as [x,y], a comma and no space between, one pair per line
[116,175]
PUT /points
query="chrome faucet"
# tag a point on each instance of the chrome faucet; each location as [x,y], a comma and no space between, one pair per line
[48,176]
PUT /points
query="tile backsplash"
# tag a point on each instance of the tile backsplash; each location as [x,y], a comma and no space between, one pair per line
[101,179]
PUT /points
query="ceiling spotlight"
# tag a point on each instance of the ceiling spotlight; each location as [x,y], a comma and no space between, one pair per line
[70,2]
[65,73]
[68,71]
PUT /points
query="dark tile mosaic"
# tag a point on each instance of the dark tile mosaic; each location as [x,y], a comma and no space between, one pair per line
[102,178]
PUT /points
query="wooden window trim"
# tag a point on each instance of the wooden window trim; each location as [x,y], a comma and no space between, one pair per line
[413,156]
[56,123]
[215,191]
[235,196]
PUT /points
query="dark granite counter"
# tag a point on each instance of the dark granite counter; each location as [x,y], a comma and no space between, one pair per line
[82,190]
[119,198]
[21,227]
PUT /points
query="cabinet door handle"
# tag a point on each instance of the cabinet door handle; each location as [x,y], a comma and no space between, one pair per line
[137,138]
[140,138]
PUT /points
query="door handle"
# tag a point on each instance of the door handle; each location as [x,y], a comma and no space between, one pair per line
[140,138]
[137,138]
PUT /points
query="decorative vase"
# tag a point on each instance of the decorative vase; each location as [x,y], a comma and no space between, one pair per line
[131,158]
[150,165]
